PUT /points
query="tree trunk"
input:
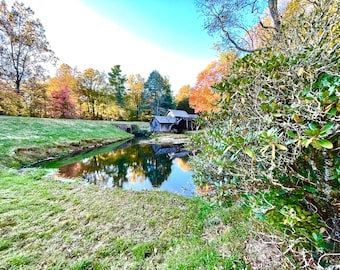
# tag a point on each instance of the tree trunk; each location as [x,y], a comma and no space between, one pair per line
[17,86]
[272,4]
[93,110]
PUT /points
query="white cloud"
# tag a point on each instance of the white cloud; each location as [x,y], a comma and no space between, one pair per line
[80,37]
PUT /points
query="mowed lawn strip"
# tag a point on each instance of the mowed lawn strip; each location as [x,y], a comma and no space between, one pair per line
[27,140]
[45,224]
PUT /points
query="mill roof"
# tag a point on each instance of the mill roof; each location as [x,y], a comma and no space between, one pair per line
[165,119]
[179,113]
[193,116]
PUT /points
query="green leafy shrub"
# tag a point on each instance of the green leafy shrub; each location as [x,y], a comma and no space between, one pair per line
[278,129]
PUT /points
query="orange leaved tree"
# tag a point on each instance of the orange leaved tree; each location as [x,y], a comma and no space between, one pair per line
[203,98]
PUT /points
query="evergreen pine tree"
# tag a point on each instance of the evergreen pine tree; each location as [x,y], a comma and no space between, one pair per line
[157,93]
[117,81]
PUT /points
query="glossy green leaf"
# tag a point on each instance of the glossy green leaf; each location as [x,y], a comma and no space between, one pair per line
[310,189]
[260,216]
[249,152]
[326,128]
[332,113]
[312,132]
[324,95]
[332,90]
[281,192]
[282,147]
[262,96]
[312,126]
[291,141]
[316,144]
[307,142]
[291,134]
[325,143]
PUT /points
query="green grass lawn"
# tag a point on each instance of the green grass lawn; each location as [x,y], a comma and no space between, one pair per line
[49,224]
[45,224]
[27,140]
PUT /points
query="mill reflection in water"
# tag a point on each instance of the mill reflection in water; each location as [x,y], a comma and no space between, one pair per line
[137,166]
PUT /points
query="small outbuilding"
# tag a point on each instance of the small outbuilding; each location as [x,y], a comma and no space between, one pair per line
[162,123]
[184,120]
[174,120]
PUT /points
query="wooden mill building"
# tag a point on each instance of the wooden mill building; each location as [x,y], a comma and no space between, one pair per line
[174,120]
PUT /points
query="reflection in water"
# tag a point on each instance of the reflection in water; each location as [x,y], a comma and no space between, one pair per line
[137,167]
[183,164]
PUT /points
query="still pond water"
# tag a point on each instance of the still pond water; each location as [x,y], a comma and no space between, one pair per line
[132,166]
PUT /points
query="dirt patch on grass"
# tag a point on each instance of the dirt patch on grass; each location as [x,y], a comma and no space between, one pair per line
[26,151]
[263,255]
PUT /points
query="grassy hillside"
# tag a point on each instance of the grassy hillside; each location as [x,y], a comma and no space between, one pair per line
[27,140]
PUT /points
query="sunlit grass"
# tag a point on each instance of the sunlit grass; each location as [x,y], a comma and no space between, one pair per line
[53,225]
[25,140]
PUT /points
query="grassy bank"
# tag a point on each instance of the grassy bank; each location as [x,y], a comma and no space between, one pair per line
[52,225]
[48,224]
[27,140]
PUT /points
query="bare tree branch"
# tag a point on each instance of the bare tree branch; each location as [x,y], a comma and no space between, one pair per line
[272,4]
[226,17]
[266,27]
[234,42]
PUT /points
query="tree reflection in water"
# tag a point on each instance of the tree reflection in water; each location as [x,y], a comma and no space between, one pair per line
[136,166]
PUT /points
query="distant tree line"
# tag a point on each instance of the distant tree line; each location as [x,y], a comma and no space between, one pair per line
[26,89]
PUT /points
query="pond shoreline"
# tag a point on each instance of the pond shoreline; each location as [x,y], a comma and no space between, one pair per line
[168,138]
[83,148]
[25,141]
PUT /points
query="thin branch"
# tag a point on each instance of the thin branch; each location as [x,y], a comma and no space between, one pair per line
[266,27]
[233,41]
[326,255]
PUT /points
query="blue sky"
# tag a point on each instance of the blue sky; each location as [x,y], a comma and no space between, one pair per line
[140,35]
[171,24]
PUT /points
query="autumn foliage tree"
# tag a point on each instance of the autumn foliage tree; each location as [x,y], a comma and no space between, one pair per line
[135,88]
[36,98]
[61,104]
[24,48]
[203,97]
[91,84]
[24,53]
[66,77]
[11,102]
[182,99]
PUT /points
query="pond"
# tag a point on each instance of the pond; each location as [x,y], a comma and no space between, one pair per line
[134,165]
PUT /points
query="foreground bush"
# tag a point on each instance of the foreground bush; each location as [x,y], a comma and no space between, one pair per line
[275,140]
